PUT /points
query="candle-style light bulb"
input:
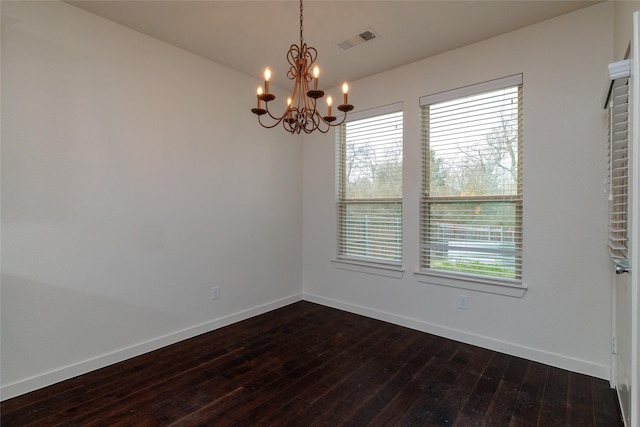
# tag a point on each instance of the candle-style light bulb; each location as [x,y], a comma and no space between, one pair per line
[267,77]
[316,74]
[329,101]
[345,90]
[289,107]
[259,93]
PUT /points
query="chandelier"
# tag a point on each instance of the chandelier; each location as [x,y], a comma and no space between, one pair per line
[301,113]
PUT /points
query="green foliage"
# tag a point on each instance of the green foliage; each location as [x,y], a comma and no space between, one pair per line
[476,267]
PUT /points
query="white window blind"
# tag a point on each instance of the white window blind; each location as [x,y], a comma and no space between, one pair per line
[618,165]
[471,209]
[369,186]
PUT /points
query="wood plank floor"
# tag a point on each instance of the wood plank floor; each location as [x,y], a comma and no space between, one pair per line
[309,365]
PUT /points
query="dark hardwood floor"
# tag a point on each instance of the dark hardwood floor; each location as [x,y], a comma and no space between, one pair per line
[309,365]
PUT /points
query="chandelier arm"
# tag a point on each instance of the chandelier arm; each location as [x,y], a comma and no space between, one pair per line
[276,123]
[310,56]
[344,117]
[293,54]
[318,121]
[292,125]
[308,108]
[278,118]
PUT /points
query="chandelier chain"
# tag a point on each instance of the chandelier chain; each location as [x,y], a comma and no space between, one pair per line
[301,28]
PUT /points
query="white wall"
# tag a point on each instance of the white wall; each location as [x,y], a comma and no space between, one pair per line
[134,178]
[564,318]
[623,26]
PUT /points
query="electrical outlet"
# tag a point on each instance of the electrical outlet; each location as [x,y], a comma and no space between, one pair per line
[463,302]
[215,292]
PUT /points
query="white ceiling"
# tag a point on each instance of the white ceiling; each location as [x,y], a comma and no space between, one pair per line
[249,35]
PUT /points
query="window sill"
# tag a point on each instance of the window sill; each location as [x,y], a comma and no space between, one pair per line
[511,288]
[387,270]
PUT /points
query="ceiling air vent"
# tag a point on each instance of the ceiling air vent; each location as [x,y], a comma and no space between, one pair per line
[363,37]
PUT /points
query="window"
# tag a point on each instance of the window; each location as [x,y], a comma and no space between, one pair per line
[471,207]
[369,186]
[618,160]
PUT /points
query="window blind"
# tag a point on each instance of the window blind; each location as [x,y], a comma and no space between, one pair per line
[369,190]
[618,166]
[471,209]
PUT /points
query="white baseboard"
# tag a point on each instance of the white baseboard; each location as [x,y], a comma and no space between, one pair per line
[552,359]
[48,378]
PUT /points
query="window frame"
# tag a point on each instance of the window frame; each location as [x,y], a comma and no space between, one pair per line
[478,282]
[371,265]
